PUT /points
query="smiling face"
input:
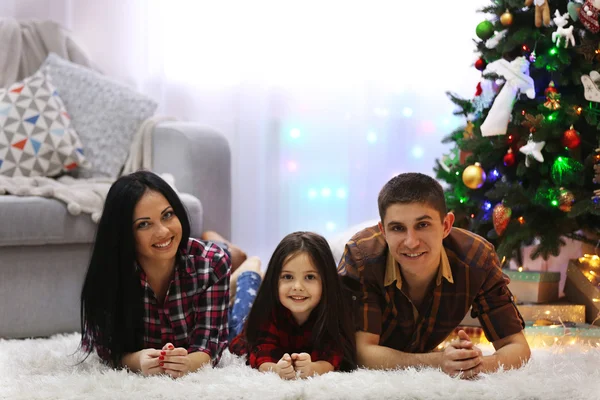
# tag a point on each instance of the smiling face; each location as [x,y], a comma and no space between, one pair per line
[300,286]
[414,234]
[156,230]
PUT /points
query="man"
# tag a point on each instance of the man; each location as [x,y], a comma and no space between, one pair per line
[417,277]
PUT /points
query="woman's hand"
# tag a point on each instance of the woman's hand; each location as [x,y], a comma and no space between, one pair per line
[174,361]
[149,362]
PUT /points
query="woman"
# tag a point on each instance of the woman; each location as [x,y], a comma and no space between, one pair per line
[154,300]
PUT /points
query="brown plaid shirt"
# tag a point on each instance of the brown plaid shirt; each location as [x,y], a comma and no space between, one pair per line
[469,275]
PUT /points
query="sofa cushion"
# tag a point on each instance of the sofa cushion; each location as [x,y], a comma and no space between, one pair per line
[105,113]
[39,221]
[36,134]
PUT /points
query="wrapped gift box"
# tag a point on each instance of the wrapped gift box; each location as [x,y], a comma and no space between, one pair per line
[533,286]
[559,311]
[583,286]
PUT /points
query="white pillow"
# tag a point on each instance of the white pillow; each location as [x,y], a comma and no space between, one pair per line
[36,134]
[105,113]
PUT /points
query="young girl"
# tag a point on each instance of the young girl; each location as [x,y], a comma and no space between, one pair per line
[299,324]
[154,300]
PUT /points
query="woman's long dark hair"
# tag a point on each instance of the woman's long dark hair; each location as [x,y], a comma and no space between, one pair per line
[112,296]
[333,324]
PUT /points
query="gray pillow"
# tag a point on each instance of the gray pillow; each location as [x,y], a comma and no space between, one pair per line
[105,113]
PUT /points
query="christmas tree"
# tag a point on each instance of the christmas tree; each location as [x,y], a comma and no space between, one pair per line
[525,167]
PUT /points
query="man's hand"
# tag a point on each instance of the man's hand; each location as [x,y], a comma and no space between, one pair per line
[285,368]
[461,357]
[174,361]
[148,360]
[303,364]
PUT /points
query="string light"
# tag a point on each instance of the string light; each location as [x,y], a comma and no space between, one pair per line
[521,220]
[487,206]
[520,269]
[553,51]
[565,167]
[578,110]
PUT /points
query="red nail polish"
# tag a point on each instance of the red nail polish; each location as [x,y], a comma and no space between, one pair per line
[161,364]
[161,357]
[162,353]
[171,347]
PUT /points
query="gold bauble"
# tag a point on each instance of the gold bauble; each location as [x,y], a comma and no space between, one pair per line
[506,19]
[474,176]
[565,199]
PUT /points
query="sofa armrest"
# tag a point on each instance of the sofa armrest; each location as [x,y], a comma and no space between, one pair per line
[199,159]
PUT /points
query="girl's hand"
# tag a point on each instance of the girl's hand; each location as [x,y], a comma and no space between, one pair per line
[174,361]
[148,360]
[303,364]
[284,367]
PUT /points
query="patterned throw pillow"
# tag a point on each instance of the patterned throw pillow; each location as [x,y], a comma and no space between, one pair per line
[105,113]
[36,135]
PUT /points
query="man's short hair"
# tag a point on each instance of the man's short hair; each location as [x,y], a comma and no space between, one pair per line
[412,187]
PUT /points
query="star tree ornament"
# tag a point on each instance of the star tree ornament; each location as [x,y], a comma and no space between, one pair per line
[533,149]
[516,74]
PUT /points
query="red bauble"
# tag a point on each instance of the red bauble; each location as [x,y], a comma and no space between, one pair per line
[509,158]
[480,64]
[571,138]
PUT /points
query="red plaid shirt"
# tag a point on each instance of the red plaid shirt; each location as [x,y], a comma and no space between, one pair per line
[194,313]
[284,335]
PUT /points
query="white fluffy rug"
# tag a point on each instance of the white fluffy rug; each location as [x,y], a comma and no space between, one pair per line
[46,369]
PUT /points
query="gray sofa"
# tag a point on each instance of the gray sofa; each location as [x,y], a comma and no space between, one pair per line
[44,250]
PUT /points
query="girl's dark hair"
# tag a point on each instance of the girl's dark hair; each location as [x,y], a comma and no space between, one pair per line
[112,296]
[333,324]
